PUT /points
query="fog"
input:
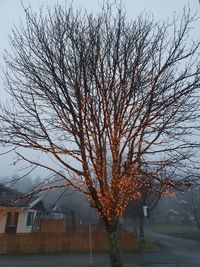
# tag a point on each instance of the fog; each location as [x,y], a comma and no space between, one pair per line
[11,12]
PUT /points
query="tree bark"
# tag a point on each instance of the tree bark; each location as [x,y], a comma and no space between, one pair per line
[141,228]
[196,218]
[114,239]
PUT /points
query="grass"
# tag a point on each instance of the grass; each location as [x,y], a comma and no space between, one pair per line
[148,244]
[187,232]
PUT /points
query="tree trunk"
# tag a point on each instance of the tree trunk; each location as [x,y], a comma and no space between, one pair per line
[114,239]
[195,210]
[196,218]
[141,228]
[135,226]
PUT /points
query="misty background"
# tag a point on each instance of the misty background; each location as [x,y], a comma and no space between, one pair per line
[11,13]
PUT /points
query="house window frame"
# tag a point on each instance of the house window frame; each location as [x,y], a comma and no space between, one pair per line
[30,218]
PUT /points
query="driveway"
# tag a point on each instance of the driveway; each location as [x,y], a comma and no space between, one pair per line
[179,247]
[174,252]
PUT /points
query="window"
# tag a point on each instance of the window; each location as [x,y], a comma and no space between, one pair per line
[12,218]
[11,223]
[30,218]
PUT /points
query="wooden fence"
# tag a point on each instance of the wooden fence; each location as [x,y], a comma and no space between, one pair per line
[53,226]
[72,242]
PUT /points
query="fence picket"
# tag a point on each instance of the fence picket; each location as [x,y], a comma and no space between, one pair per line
[74,242]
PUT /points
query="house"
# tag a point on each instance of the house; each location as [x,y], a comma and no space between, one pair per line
[17,211]
[59,218]
[178,217]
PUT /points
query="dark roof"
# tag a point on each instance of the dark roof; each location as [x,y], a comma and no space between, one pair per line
[13,198]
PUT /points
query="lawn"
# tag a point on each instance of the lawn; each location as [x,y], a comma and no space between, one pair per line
[188,232]
[149,244]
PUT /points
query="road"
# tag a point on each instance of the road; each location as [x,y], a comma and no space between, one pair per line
[174,252]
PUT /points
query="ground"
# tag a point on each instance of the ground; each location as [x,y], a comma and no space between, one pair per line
[173,252]
[187,232]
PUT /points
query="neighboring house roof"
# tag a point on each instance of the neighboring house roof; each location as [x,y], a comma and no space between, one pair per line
[13,198]
[172,212]
[60,209]
[178,213]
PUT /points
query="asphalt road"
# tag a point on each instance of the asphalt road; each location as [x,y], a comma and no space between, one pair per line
[174,252]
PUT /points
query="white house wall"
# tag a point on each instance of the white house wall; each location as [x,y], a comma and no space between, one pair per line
[21,226]
[22,220]
[3,218]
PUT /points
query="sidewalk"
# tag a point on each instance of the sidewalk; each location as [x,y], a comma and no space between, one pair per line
[140,259]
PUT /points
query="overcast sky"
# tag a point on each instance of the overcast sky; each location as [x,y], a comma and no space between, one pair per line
[11,11]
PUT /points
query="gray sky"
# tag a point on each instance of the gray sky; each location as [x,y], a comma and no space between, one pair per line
[11,11]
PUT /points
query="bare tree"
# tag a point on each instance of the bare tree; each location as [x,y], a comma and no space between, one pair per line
[148,200]
[190,201]
[135,209]
[110,100]
[194,203]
